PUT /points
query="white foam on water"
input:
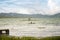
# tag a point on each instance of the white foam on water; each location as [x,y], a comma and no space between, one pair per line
[32,30]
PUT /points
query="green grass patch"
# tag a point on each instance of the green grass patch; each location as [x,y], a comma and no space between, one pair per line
[29,38]
[51,38]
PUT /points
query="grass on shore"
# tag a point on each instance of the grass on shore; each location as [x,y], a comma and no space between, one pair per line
[28,38]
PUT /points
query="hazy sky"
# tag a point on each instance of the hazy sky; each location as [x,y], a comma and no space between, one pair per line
[30,6]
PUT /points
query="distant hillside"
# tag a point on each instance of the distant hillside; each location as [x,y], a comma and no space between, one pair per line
[56,15]
[16,15]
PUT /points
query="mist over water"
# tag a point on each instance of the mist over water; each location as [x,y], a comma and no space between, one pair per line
[25,28]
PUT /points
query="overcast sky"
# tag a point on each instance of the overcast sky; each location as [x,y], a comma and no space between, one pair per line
[30,6]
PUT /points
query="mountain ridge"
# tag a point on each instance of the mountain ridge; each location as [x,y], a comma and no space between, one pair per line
[16,15]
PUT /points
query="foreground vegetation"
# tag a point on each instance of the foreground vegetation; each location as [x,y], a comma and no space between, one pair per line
[28,38]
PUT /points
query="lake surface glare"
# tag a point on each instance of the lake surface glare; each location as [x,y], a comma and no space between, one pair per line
[24,28]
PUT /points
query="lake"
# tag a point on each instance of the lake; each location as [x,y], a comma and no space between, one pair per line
[38,27]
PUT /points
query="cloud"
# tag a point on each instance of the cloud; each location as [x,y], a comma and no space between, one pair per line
[52,6]
[30,6]
[15,10]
